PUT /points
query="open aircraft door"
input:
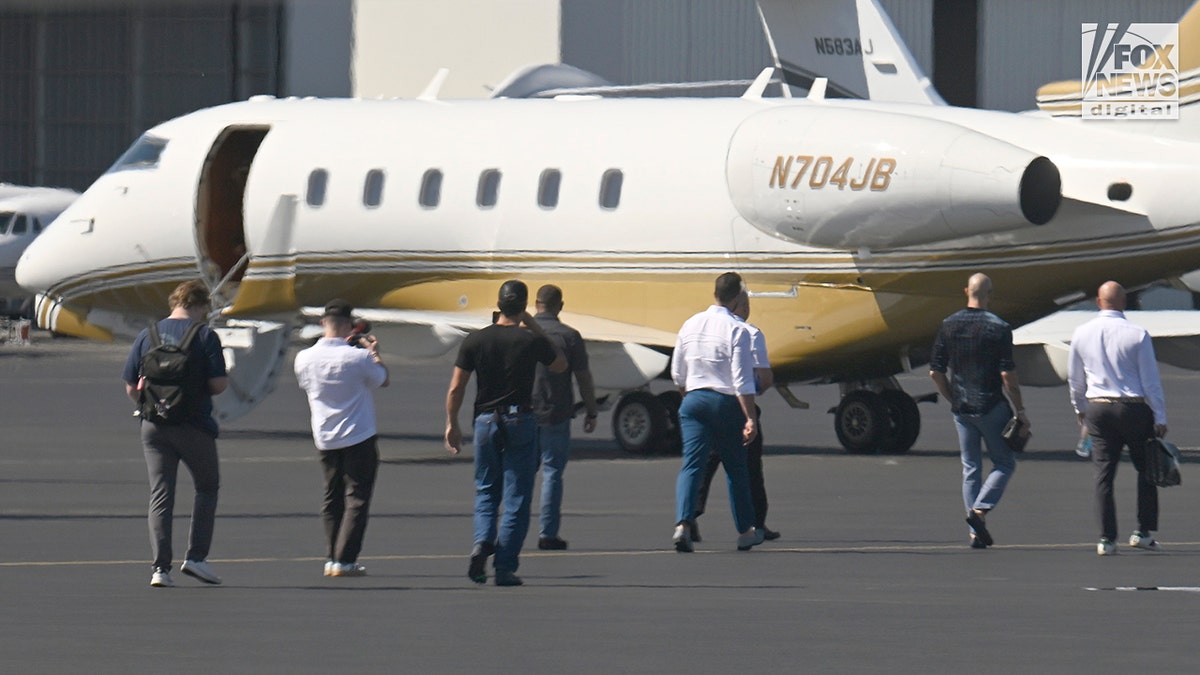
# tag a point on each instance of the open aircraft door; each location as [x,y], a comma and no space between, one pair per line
[255,350]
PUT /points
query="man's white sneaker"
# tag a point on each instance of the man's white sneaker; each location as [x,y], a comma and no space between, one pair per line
[161,579]
[339,569]
[329,568]
[753,537]
[200,570]
[1143,541]
[1106,547]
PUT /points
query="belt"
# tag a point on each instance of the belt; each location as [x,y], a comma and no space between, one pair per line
[509,410]
[1117,399]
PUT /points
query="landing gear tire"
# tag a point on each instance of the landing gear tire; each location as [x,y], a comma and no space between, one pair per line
[861,420]
[904,422]
[640,422]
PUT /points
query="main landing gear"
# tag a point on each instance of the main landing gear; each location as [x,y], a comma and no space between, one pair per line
[877,417]
[872,417]
[645,423]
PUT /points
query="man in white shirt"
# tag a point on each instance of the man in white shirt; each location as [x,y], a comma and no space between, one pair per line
[338,374]
[713,366]
[764,379]
[1117,393]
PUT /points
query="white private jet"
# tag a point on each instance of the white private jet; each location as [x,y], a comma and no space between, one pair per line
[855,223]
[24,212]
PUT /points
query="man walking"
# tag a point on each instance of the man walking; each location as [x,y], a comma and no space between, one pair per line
[764,379]
[713,366]
[975,346]
[505,356]
[1117,393]
[338,374]
[192,441]
[554,405]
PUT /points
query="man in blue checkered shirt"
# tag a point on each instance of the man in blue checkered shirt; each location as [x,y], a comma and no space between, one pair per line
[975,346]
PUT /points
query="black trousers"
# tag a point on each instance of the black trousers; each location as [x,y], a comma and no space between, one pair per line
[1112,427]
[349,483]
[758,489]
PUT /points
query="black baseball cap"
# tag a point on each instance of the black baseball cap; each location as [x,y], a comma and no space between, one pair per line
[338,308]
[513,297]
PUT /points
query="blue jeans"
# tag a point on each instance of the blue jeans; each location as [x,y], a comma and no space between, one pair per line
[505,464]
[973,430]
[709,420]
[554,442]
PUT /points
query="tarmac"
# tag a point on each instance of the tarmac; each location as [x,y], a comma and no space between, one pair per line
[872,573]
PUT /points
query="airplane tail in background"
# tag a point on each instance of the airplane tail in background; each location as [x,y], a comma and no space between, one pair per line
[1065,98]
[853,43]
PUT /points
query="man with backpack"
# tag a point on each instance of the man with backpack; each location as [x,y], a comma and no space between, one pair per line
[174,369]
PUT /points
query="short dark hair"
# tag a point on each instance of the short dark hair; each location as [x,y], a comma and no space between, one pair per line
[550,296]
[513,297]
[729,286]
[339,309]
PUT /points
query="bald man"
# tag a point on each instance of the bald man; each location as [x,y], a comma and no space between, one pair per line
[976,348]
[1118,396]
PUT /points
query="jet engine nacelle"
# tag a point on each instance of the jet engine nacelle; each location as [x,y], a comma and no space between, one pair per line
[839,178]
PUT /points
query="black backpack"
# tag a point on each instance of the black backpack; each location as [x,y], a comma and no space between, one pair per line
[170,384]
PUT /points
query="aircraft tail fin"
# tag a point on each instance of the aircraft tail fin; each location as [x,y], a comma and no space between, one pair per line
[1066,98]
[853,43]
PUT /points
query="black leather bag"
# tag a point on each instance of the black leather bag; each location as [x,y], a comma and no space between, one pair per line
[1162,463]
[1016,433]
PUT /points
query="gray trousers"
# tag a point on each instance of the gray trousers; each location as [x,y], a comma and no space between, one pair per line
[165,447]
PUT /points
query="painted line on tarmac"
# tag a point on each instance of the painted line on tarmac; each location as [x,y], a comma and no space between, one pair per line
[1183,589]
[630,553]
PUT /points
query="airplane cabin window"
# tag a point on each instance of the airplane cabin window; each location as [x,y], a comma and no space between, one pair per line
[20,225]
[489,188]
[548,188]
[431,188]
[317,181]
[5,218]
[373,188]
[610,189]
[143,154]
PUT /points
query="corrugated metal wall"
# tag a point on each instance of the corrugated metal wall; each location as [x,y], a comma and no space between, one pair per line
[1024,44]
[76,87]
[694,40]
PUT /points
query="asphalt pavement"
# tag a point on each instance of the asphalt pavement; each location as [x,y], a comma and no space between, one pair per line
[872,573]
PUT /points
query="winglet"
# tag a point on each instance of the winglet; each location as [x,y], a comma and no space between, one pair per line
[756,88]
[434,87]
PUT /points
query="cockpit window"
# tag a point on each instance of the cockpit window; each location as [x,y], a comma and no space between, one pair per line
[4,220]
[143,154]
[20,225]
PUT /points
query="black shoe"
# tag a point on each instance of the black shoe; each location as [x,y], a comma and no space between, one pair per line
[506,578]
[551,544]
[981,532]
[976,542]
[695,528]
[477,571]
[769,534]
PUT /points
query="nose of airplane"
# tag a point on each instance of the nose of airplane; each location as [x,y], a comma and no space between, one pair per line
[42,264]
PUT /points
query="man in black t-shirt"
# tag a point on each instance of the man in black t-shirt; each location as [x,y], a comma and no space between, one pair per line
[505,356]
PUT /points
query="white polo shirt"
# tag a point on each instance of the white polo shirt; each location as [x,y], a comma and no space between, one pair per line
[338,379]
[714,351]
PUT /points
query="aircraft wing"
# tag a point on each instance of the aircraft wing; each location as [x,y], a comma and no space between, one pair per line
[621,355]
[1041,348]
[853,43]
